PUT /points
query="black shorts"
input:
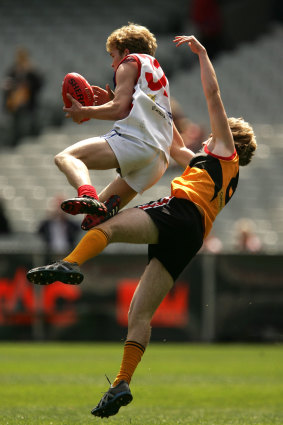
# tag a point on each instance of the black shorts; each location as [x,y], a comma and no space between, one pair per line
[181,232]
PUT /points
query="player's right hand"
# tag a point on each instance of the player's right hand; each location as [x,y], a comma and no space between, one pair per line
[193,43]
[76,111]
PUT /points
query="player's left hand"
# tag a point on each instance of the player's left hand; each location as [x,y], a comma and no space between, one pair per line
[102,96]
[76,111]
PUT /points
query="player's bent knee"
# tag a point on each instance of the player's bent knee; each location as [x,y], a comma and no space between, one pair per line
[59,159]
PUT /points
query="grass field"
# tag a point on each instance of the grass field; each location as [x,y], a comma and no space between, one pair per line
[58,384]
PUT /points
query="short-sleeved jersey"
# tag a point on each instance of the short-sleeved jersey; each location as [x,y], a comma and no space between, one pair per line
[209,181]
[150,118]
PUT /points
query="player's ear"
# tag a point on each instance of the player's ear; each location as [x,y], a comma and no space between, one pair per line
[126,52]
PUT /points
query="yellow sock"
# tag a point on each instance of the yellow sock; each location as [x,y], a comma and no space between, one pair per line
[90,245]
[133,352]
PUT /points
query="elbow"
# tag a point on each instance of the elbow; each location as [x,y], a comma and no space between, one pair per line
[122,113]
[121,110]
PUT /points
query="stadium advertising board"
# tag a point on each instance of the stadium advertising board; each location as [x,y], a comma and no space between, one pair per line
[217,298]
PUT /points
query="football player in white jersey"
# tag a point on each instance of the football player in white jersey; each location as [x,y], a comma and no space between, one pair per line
[140,143]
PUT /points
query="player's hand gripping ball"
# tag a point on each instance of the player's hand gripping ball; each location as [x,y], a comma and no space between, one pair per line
[79,88]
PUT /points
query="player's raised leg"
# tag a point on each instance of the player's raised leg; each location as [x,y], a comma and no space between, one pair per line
[131,226]
[123,195]
[75,162]
[121,188]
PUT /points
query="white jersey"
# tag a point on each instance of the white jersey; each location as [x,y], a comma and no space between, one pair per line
[150,118]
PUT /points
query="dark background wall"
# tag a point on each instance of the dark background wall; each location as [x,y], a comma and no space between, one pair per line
[217,298]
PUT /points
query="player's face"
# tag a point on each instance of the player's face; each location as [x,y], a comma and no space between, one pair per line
[116,57]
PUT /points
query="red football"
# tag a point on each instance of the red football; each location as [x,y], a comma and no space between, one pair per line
[76,85]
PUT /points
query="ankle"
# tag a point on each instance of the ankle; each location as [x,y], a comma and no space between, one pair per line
[88,190]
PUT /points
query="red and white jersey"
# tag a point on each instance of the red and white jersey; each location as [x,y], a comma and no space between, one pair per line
[150,118]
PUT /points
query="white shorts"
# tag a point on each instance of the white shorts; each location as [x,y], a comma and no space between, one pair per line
[140,164]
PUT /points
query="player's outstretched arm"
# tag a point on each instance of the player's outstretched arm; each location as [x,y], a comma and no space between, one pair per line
[222,136]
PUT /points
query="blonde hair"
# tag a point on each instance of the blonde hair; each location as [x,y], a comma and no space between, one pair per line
[136,38]
[244,139]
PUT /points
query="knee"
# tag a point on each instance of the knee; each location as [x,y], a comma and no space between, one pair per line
[59,159]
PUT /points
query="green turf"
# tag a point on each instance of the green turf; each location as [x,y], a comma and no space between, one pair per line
[58,384]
